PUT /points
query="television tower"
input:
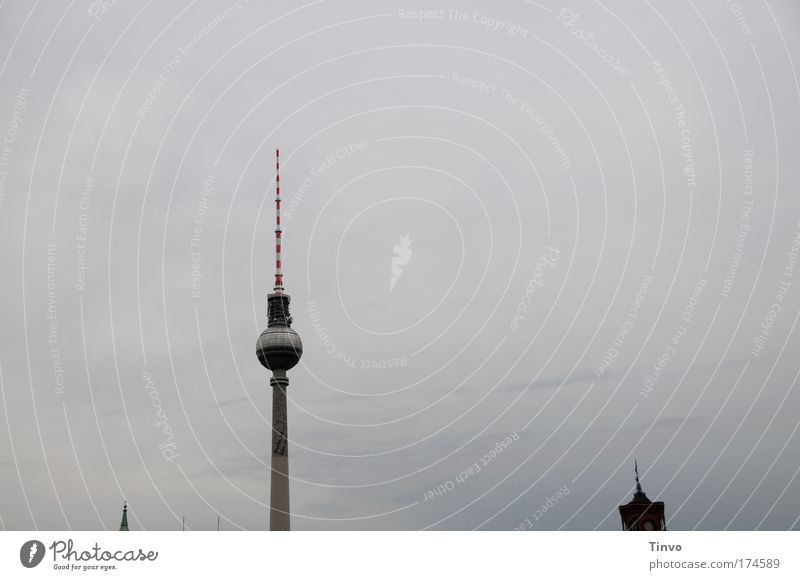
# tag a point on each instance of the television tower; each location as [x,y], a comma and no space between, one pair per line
[279,348]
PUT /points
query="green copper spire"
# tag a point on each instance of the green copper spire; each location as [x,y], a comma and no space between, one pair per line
[123,527]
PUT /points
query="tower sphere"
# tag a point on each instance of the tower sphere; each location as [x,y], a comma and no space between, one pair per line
[279,347]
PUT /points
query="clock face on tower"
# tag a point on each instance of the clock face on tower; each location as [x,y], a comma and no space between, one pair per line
[649,525]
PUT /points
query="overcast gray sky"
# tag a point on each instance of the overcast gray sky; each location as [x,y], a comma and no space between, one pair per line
[592,208]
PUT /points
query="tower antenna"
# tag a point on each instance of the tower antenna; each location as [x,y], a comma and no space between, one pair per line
[278,270]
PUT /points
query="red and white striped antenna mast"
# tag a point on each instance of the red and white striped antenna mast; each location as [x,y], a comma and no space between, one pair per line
[278,270]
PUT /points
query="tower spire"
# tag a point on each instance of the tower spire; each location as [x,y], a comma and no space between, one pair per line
[278,270]
[123,526]
[636,472]
[639,494]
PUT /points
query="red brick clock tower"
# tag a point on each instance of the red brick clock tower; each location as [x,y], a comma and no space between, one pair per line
[641,514]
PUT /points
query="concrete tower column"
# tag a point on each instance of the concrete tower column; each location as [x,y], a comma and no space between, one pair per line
[279,518]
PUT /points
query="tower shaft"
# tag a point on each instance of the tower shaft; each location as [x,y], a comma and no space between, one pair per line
[279,519]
